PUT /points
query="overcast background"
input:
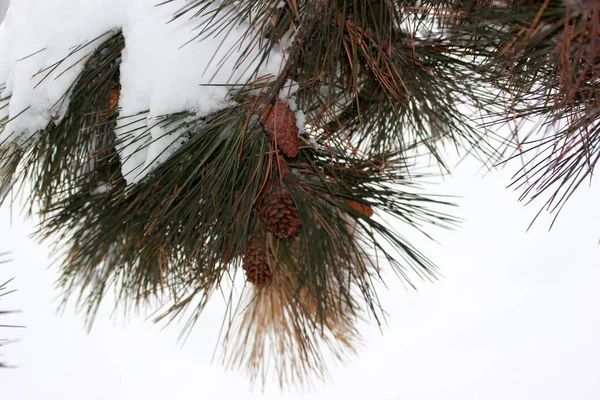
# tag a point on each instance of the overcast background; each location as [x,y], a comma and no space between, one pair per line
[515,316]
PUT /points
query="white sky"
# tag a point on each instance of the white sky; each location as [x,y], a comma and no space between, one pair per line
[515,317]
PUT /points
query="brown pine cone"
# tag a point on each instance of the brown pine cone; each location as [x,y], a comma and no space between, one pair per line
[283,167]
[279,122]
[256,264]
[278,210]
[362,208]
[113,100]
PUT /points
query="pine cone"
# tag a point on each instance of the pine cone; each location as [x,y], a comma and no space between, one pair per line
[278,210]
[283,167]
[362,208]
[113,100]
[279,122]
[256,265]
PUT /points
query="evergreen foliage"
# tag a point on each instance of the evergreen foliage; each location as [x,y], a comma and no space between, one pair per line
[244,190]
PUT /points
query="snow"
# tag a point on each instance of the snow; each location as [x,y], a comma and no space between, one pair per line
[30,41]
[102,188]
[3,9]
[300,121]
[147,142]
[288,94]
[163,69]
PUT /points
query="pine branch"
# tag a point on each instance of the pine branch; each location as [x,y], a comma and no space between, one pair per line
[545,56]
[288,183]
